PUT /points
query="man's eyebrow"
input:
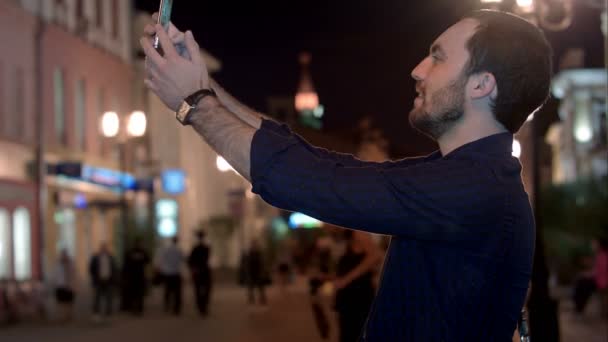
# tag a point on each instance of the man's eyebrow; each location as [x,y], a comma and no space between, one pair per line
[437,49]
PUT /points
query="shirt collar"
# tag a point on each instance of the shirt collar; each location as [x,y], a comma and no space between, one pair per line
[496,144]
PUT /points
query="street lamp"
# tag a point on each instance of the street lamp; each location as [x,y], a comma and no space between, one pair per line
[516,149]
[110,126]
[553,15]
[223,165]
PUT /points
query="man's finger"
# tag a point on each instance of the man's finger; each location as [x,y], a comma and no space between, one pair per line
[193,49]
[172,31]
[149,30]
[153,73]
[150,84]
[155,16]
[165,42]
[177,37]
[150,52]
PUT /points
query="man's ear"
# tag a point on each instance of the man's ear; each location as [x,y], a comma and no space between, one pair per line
[483,84]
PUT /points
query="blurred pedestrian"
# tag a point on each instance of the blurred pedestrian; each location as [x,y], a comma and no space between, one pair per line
[102,269]
[201,273]
[134,271]
[255,274]
[354,283]
[65,285]
[284,268]
[600,272]
[171,260]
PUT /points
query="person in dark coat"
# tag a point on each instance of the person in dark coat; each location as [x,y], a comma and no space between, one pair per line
[102,269]
[136,261]
[198,261]
[255,270]
[355,284]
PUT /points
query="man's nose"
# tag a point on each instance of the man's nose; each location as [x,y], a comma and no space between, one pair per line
[420,71]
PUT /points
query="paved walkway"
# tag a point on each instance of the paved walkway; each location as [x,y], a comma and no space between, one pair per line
[287,318]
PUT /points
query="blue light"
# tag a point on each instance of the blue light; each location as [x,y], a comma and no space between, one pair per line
[173,181]
[80,201]
[299,220]
[167,227]
[166,208]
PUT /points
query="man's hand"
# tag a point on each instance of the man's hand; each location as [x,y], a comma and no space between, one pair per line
[178,38]
[172,77]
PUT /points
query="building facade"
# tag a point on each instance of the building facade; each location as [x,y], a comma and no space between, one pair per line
[80,54]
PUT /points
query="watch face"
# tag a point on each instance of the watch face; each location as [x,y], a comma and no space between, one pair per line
[182,111]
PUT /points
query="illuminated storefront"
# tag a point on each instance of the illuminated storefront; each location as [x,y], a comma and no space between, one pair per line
[18,241]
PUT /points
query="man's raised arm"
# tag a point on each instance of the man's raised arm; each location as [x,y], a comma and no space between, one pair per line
[173,78]
[246,114]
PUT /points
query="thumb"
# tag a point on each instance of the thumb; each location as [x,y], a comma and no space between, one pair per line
[193,48]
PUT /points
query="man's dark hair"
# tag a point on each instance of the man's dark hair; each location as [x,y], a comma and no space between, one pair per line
[519,56]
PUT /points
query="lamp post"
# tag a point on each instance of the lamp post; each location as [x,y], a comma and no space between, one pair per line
[134,126]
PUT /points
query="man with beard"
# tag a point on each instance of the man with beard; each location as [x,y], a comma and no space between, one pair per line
[461,224]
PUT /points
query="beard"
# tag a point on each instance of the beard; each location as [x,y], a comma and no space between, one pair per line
[446,109]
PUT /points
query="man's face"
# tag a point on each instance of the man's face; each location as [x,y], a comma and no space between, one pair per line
[441,81]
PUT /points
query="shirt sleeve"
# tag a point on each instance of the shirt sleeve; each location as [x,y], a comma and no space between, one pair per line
[346,159]
[420,200]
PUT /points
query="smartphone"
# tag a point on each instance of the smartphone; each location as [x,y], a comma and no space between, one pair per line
[164,17]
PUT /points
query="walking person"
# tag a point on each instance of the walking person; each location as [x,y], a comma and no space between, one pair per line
[462,227]
[171,261]
[134,271]
[102,269]
[354,283]
[255,274]
[600,273]
[65,286]
[201,273]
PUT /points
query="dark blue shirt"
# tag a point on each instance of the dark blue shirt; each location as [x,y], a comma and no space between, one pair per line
[462,229]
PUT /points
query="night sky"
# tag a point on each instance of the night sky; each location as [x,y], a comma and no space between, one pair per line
[363,52]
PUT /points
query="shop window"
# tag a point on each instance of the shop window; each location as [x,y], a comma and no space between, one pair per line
[5,245]
[22,244]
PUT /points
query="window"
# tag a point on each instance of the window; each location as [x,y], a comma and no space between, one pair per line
[99,13]
[80,122]
[59,104]
[18,113]
[22,244]
[79,10]
[5,245]
[60,12]
[115,19]
[2,115]
[101,108]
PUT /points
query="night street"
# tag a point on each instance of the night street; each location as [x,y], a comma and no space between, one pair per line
[287,318]
[428,169]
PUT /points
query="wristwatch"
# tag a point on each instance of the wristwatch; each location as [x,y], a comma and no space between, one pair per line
[184,112]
